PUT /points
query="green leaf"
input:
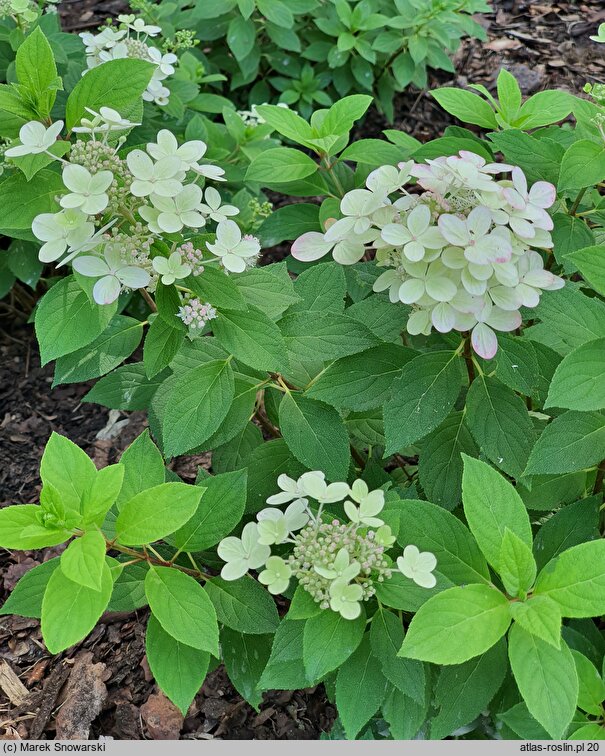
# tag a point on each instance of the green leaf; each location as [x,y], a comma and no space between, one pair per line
[329,640]
[522,723]
[500,424]
[161,344]
[245,657]
[476,615]
[129,589]
[573,441]
[379,315]
[517,565]
[574,317]
[70,611]
[590,261]
[21,529]
[241,37]
[83,561]
[422,398]
[576,580]
[288,124]
[591,688]
[322,288]
[118,84]
[66,320]
[583,165]
[197,401]
[432,528]
[404,716]
[463,691]
[37,72]
[360,689]
[126,388]
[243,605]
[102,494]
[119,340]
[544,108]
[579,380]
[68,469]
[540,159]
[217,288]
[313,336]
[280,165]
[285,669]
[342,115]
[386,637]
[269,288]
[491,506]
[26,597]
[361,381]
[539,616]
[277,12]
[399,592]
[265,464]
[316,435]
[178,669]
[218,513]
[21,200]
[546,678]
[509,93]
[252,337]
[156,512]
[182,608]
[467,106]
[143,467]
[571,525]
[592,731]
[440,462]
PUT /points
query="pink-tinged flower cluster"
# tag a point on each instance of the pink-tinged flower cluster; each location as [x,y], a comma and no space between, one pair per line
[463,253]
[195,313]
[192,257]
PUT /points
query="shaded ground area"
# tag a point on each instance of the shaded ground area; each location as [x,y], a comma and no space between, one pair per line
[103,687]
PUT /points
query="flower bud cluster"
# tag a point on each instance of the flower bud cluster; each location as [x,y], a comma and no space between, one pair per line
[338,563]
[130,40]
[195,313]
[98,156]
[193,257]
[462,253]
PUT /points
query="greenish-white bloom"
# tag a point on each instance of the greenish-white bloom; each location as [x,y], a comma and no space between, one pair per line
[314,484]
[345,599]
[112,274]
[242,554]
[276,575]
[68,229]
[171,269]
[418,566]
[275,526]
[35,138]
[171,214]
[232,250]
[87,191]
[341,568]
[370,503]
[153,178]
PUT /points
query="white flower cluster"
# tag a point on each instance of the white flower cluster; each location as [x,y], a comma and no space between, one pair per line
[337,563]
[130,41]
[114,209]
[462,252]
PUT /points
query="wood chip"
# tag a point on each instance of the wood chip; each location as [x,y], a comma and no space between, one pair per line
[11,685]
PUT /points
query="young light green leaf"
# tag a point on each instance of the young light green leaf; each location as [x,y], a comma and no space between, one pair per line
[467,106]
[20,528]
[517,565]
[69,469]
[70,610]
[102,494]
[540,616]
[156,512]
[590,261]
[182,608]
[280,165]
[576,580]
[26,597]
[546,678]
[83,561]
[178,669]
[476,615]
[591,692]
[491,505]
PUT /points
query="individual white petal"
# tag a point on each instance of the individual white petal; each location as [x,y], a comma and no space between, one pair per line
[230,549]
[106,290]
[133,277]
[419,220]
[411,290]
[89,265]
[484,341]
[235,569]
[454,230]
